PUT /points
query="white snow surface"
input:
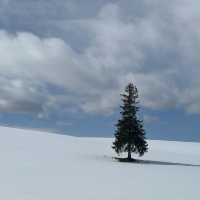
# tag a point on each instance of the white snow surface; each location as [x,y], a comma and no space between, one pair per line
[43,166]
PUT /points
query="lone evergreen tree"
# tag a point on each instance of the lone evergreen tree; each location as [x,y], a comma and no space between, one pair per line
[130,134]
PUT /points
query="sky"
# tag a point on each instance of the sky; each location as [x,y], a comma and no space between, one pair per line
[64,63]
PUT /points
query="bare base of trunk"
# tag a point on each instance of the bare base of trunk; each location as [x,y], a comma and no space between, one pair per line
[129,156]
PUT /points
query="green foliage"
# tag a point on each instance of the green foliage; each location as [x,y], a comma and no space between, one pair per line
[130,134]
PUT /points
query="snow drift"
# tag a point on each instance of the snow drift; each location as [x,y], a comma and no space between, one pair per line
[42,166]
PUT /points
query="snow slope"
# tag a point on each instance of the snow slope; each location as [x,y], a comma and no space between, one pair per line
[42,166]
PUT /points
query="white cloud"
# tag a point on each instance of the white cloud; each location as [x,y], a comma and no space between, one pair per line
[149,119]
[155,51]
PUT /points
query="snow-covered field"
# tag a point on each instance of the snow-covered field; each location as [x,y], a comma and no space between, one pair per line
[42,166]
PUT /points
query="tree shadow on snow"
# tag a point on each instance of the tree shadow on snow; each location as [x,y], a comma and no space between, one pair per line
[155,162]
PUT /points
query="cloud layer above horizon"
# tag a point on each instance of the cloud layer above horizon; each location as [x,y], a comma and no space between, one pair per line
[79,56]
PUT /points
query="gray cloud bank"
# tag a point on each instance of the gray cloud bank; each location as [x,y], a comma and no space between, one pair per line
[56,54]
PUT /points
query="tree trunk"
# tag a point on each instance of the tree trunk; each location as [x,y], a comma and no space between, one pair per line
[129,152]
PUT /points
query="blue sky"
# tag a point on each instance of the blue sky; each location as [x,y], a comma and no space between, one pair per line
[64,63]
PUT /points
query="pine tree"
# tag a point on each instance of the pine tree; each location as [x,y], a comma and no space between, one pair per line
[130,134]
